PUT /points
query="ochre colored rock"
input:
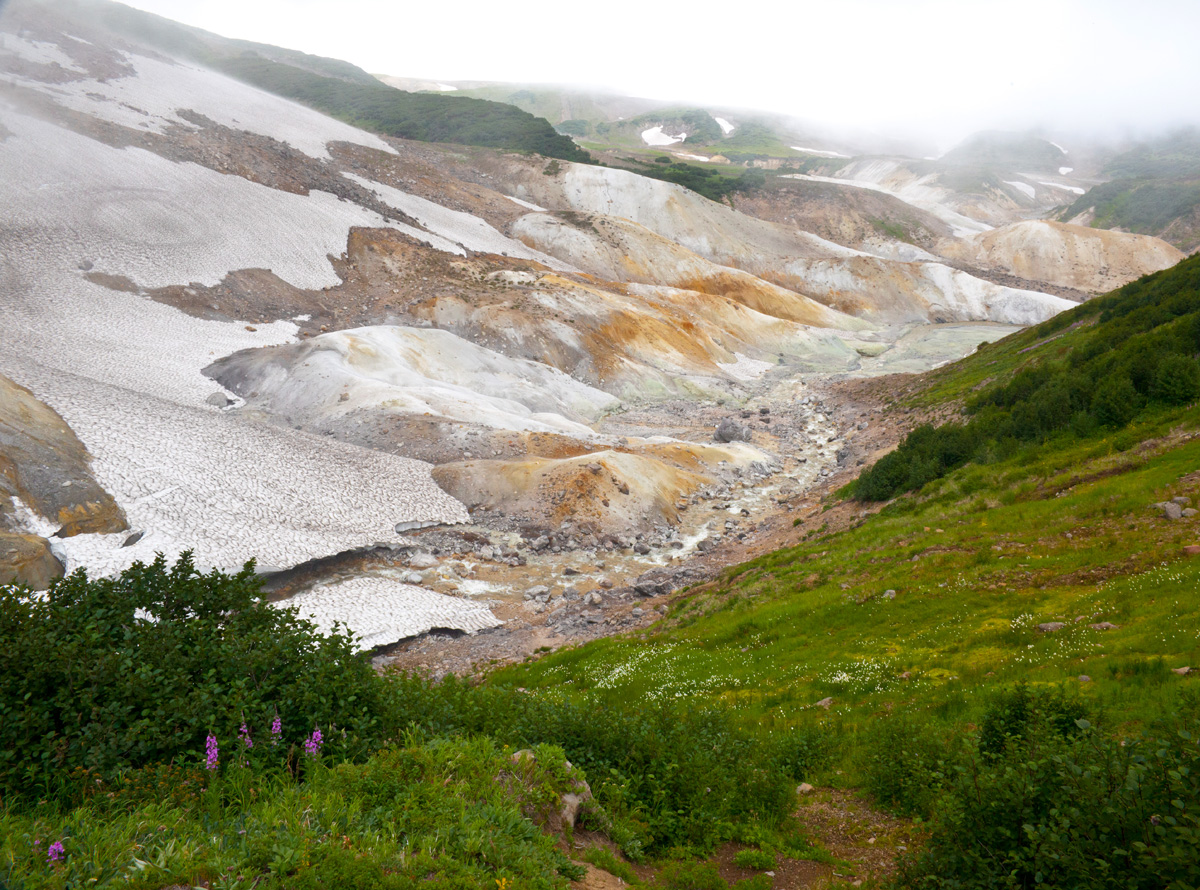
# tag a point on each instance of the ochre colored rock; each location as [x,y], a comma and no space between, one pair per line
[26,559]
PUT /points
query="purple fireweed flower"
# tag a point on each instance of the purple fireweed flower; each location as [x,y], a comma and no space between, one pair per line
[55,852]
[312,745]
[244,734]
[276,731]
[212,751]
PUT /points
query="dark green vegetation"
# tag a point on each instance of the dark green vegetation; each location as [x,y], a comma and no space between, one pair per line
[1129,354]
[715,182]
[1005,649]
[107,718]
[1154,190]
[426,117]
[340,89]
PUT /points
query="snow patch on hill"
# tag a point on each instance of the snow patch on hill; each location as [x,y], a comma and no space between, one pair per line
[152,98]
[656,136]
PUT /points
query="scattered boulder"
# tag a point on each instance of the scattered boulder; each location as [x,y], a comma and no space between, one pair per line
[889,594]
[805,788]
[219,400]
[1169,510]
[1183,671]
[1050,627]
[825,703]
[534,593]
[1104,625]
[1182,501]
[133,539]
[1084,678]
[729,430]
[1187,512]
[422,560]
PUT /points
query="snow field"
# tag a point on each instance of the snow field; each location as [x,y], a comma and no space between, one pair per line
[152,99]
[381,611]
[656,136]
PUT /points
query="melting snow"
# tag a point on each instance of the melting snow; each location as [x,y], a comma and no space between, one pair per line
[726,126]
[680,154]
[454,226]
[745,368]
[381,611]
[124,371]
[526,204]
[1063,171]
[1059,147]
[1023,187]
[1059,185]
[820,152]
[656,136]
[151,99]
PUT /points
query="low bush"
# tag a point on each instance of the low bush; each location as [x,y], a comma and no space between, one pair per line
[1088,810]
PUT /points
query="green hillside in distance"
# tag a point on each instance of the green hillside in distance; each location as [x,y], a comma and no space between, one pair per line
[1154,190]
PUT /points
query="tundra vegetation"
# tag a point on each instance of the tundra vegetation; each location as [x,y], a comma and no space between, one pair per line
[1001,652]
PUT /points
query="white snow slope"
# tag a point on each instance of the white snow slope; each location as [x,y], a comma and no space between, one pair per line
[124,371]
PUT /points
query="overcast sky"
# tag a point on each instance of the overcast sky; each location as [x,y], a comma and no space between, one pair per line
[902,66]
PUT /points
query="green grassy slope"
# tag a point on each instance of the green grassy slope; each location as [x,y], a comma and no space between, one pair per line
[1052,530]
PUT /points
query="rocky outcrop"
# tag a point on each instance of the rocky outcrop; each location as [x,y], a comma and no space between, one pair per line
[1092,260]
[45,466]
[27,560]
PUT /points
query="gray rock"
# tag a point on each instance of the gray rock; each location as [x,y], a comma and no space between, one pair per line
[538,592]
[889,594]
[1183,671]
[825,703]
[219,400]
[1169,510]
[606,583]
[729,430]
[133,539]
[1187,512]
[422,560]
[805,788]
[637,612]
[1104,625]
[641,548]
[413,578]
[1182,501]
[1084,678]
[1050,627]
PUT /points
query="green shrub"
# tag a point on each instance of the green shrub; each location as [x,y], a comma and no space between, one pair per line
[110,674]
[1093,811]
[1016,716]
[690,876]
[1177,380]
[760,860]
[906,764]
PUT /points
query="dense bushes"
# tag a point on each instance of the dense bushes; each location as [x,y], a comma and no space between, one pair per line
[1140,353]
[1078,810]
[116,673]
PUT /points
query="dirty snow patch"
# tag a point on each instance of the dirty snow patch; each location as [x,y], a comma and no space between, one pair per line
[151,99]
[527,205]
[745,368]
[656,136]
[456,227]
[380,611]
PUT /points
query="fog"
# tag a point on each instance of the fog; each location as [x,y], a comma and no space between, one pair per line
[931,70]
